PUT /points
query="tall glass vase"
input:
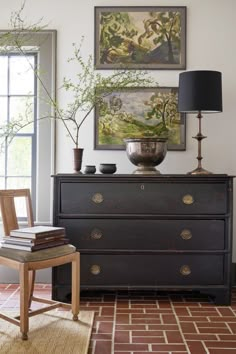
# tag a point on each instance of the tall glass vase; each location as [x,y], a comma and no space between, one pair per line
[78,156]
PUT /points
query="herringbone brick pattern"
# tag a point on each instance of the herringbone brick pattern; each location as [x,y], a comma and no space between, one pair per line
[151,322]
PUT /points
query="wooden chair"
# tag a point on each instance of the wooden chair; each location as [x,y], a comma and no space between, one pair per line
[28,262]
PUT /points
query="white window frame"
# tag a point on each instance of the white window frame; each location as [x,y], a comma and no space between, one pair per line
[45,44]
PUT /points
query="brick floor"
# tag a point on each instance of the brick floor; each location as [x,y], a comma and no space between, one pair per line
[149,322]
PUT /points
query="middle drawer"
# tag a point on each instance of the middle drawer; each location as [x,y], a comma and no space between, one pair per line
[132,234]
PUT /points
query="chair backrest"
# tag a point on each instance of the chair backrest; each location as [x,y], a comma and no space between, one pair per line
[8,209]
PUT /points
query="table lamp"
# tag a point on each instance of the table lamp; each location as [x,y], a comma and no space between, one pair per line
[200,92]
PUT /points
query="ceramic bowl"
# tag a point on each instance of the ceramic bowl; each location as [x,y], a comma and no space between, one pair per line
[107,167]
[90,169]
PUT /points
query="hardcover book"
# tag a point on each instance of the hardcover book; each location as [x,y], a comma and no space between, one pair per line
[38,232]
[30,241]
[32,248]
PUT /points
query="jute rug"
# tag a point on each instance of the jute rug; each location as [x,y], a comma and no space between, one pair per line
[51,332]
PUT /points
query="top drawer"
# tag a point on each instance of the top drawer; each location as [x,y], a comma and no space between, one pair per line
[143,198]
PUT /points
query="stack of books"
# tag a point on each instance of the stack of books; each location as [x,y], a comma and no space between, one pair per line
[35,238]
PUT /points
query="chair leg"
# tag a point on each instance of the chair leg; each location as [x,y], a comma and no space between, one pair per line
[24,298]
[31,286]
[75,298]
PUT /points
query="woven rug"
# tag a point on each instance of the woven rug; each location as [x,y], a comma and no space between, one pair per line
[49,333]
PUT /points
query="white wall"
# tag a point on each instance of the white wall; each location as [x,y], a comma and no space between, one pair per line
[210,45]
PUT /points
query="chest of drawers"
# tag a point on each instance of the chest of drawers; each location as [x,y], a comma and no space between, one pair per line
[147,232]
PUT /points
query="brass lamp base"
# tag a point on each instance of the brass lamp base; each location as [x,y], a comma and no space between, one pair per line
[199,137]
[200,171]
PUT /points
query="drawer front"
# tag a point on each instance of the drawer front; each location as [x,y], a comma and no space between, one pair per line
[146,198]
[145,234]
[157,270]
[149,270]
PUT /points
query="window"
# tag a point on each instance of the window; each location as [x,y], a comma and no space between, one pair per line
[18,92]
[28,161]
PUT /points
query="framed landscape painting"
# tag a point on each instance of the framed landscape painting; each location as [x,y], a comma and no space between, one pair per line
[140,37]
[139,112]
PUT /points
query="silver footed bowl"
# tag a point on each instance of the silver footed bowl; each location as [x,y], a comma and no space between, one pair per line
[146,153]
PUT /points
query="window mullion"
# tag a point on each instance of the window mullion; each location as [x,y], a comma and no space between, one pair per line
[7,117]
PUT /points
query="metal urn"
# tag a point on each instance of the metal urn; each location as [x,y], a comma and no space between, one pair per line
[146,153]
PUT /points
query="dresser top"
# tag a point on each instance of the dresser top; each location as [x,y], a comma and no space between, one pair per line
[212,178]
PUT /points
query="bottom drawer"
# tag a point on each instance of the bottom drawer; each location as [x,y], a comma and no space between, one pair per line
[153,270]
[146,270]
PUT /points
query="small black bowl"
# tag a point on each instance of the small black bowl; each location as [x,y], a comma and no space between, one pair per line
[89,169]
[107,167]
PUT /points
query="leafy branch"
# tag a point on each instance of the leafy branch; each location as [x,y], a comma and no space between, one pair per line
[86,88]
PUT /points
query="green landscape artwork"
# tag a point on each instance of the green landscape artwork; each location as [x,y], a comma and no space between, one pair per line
[139,112]
[140,37]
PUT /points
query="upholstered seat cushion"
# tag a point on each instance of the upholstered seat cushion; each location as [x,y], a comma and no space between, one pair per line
[42,255]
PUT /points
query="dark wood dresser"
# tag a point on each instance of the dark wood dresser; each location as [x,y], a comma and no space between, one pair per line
[147,232]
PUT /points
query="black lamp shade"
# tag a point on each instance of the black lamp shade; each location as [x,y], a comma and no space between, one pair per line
[200,91]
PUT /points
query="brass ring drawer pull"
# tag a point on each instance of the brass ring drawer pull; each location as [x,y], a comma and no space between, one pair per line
[95,269]
[97,198]
[96,234]
[186,234]
[185,270]
[188,199]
